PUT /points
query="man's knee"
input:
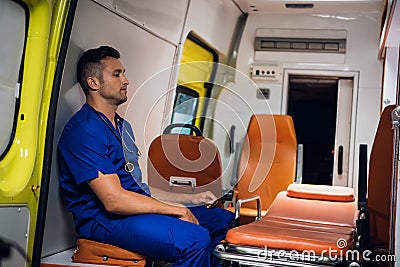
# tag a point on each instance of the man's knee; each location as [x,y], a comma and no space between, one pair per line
[228,216]
[225,219]
[200,240]
[195,249]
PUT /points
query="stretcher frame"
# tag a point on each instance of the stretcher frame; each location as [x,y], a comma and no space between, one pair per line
[232,255]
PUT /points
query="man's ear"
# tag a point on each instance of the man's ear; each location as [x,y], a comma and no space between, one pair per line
[94,83]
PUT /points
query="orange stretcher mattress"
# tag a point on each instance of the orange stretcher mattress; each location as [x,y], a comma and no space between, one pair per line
[319,223]
[312,210]
[262,234]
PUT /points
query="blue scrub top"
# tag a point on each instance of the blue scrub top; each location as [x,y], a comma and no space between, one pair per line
[89,144]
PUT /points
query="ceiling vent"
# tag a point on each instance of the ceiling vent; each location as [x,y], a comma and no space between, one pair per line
[310,45]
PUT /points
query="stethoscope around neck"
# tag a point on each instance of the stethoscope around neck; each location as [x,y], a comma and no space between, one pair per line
[119,133]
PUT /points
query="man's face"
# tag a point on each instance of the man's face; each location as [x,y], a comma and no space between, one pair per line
[114,84]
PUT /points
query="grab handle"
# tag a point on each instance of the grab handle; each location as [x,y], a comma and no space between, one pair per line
[183,125]
[340,160]
[182,181]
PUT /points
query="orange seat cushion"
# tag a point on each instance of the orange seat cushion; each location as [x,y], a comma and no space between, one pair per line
[321,192]
[89,251]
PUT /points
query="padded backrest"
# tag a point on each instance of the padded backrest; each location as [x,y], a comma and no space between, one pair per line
[321,192]
[268,160]
[182,155]
[380,180]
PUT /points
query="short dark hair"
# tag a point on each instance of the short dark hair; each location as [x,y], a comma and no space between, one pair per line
[90,64]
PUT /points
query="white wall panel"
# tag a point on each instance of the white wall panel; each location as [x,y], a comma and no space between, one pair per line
[390,78]
[368,114]
[362,41]
[164,18]
[214,21]
[14,227]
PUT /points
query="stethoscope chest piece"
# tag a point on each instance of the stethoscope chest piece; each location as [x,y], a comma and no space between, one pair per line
[129,167]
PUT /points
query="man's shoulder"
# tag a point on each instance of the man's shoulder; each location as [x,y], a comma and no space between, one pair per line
[85,113]
[84,122]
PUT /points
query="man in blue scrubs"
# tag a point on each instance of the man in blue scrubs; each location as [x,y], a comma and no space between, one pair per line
[103,187]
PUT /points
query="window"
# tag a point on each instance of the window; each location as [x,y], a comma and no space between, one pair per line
[13,20]
[185,108]
[196,74]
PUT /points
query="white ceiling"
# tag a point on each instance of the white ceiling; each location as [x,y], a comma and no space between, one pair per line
[320,6]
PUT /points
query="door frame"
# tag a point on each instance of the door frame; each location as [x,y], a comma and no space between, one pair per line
[354,75]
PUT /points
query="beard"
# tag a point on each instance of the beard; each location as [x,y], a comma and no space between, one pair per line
[115,98]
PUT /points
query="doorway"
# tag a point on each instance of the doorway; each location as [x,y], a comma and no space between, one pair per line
[312,105]
[322,111]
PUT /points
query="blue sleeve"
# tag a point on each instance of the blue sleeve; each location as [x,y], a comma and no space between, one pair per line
[84,148]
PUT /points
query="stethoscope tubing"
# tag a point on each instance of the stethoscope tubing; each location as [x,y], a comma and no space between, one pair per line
[129,166]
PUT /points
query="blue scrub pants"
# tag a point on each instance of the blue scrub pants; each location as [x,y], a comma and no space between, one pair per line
[170,239]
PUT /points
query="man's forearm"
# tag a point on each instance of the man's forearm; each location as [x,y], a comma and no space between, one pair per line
[201,198]
[117,200]
[134,203]
[128,203]
[169,197]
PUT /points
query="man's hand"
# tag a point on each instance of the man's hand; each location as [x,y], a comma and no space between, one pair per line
[187,215]
[206,198]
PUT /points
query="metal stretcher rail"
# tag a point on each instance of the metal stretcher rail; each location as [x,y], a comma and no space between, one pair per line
[250,256]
